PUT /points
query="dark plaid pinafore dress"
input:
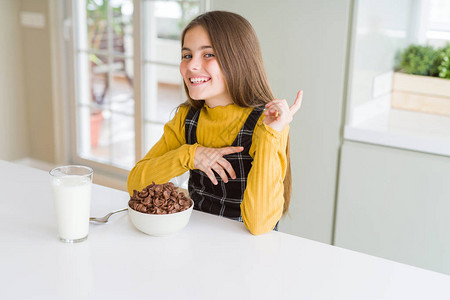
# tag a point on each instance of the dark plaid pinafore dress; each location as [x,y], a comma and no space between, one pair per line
[223,199]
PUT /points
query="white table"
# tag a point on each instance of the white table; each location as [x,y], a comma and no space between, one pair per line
[212,258]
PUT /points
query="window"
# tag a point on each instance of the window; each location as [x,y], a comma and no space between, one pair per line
[381,29]
[438,22]
[126,81]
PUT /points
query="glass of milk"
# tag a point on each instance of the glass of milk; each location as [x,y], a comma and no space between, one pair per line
[71,187]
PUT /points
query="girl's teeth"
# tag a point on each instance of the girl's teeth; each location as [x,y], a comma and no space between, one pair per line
[198,80]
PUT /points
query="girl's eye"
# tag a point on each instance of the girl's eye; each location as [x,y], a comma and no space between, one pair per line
[209,55]
[186,56]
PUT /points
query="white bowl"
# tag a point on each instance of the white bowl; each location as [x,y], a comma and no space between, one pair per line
[160,225]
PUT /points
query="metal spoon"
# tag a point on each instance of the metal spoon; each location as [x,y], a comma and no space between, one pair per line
[105,218]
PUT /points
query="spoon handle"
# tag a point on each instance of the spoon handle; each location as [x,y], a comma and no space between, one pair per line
[105,218]
[116,211]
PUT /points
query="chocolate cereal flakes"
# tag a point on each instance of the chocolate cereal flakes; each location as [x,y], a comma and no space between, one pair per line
[159,199]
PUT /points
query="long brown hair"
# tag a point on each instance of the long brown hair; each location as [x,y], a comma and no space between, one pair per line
[239,57]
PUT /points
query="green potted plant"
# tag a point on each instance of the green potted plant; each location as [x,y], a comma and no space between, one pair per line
[444,66]
[421,82]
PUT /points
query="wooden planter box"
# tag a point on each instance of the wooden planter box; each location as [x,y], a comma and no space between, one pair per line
[421,93]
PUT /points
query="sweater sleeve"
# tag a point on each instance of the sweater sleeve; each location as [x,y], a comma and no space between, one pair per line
[168,158]
[262,205]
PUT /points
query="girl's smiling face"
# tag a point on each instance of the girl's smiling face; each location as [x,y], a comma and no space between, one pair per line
[200,69]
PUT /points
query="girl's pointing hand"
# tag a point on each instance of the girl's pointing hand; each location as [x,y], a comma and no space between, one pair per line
[279,114]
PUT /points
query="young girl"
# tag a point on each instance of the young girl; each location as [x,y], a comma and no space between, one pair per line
[231,134]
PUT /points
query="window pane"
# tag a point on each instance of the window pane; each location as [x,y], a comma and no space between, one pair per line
[111,137]
[439,15]
[163,92]
[122,98]
[163,24]
[438,33]
[91,127]
[94,87]
[153,133]
[122,25]
[163,51]
[110,80]
[96,25]
[109,26]
[99,78]
[105,112]
[121,140]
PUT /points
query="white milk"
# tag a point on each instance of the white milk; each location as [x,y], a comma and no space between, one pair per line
[72,196]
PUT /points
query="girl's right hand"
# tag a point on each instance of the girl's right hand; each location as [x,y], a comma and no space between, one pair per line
[279,114]
[208,159]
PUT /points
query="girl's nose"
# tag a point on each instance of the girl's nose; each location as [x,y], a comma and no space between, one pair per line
[194,64]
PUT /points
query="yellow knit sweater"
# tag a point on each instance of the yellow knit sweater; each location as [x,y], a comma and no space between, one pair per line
[262,205]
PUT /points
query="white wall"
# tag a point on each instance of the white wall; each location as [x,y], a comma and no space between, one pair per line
[26,107]
[13,110]
[37,61]
[394,204]
[304,46]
